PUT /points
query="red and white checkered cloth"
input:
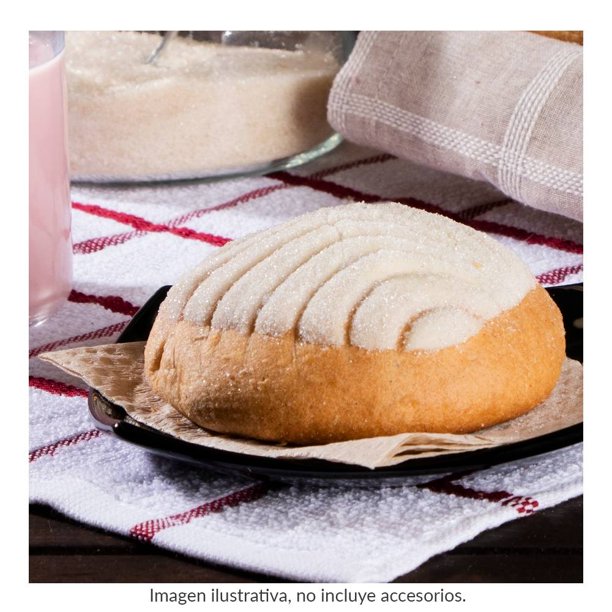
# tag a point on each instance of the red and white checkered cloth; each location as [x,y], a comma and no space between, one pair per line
[128,241]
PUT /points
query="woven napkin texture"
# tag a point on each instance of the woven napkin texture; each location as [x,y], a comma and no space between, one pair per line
[128,241]
[505,107]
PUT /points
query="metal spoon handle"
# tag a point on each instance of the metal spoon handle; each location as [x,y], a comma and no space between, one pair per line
[166,38]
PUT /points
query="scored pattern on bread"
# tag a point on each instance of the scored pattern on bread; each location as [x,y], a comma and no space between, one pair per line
[375,276]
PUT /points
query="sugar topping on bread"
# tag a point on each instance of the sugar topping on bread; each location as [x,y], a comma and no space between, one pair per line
[375,276]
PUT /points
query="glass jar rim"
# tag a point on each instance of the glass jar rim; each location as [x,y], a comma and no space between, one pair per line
[44,45]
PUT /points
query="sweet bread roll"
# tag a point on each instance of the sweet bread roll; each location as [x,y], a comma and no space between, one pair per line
[356,321]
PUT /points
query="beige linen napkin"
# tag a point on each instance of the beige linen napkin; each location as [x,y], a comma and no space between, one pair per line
[505,107]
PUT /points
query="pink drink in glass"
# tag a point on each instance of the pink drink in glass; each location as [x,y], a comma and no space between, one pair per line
[50,219]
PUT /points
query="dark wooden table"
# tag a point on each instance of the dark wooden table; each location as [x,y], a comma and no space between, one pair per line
[544,547]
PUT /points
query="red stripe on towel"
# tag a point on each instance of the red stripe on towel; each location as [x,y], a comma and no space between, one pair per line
[255,194]
[554,277]
[147,530]
[141,224]
[56,388]
[114,303]
[481,209]
[103,332]
[51,449]
[319,184]
[376,159]
[522,504]
[492,227]
[93,245]
[340,191]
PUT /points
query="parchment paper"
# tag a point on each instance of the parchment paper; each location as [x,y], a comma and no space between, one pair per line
[117,372]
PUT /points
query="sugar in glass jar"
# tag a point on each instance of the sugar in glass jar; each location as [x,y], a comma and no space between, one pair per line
[209,105]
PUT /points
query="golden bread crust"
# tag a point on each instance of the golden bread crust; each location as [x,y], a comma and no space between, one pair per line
[279,389]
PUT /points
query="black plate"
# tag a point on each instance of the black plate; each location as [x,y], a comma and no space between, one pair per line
[114,418]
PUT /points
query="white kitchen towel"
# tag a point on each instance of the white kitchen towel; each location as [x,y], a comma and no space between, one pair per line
[128,241]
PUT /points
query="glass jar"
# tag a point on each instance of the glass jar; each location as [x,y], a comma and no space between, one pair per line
[209,105]
[50,263]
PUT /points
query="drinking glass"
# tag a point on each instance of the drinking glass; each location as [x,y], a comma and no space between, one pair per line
[50,219]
